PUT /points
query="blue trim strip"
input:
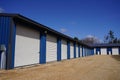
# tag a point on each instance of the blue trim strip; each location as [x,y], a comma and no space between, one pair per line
[98,49]
[42,48]
[119,50]
[82,51]
[5,35]
[87,52]
[78,50]
[109,50]
[68,50]
[13,48]
[74,50]
[90,51]
[58,49]
[96,52]
[93,51]
[0,58]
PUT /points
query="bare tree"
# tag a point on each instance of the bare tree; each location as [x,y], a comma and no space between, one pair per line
[90,40]
[110,38]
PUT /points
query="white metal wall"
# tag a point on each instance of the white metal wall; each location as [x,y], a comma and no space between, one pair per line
[27,46]
[83,51]
[103,51]
[115,51]
[71,50]
[109,52]
[76,50]
[98,53]
[51,48]
[80,51]
[64,50]
[3,60]
[94,51]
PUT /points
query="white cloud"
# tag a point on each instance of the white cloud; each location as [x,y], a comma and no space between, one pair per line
[90,36]
[63,30]
[1,10]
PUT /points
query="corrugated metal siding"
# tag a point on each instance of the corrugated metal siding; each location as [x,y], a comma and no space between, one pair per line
[103,51]
[94,51]
[83,51]
[42,48]
[109,51]
[58,49]
[68,50]
[119,50]
[64,50]
[89,52]
[76,50]
[51,48]
[115,51]
[5,32]
[71,50]
[80,51]
[86,51]
[98,51]
[27,46]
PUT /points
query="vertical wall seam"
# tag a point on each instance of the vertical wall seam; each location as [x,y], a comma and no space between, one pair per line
[13,43]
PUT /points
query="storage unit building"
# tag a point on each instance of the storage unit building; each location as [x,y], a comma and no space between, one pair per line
[26,42]
[106,49]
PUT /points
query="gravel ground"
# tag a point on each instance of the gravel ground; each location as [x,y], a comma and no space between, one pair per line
[87,68]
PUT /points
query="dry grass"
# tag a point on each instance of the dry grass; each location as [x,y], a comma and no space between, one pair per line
[87,68]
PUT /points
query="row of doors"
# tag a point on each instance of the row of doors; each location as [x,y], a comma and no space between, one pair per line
[103,51]
[27,48]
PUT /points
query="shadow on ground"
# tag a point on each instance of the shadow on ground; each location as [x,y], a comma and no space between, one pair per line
[116,57]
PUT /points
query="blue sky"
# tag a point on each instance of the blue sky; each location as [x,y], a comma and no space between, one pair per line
[78,18]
